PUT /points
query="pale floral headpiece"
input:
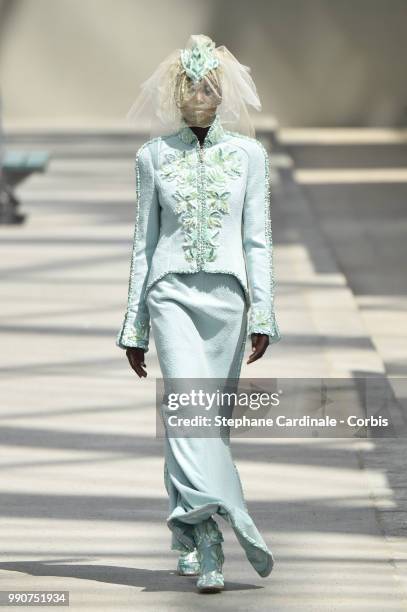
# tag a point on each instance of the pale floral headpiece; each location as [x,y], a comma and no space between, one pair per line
[200,59]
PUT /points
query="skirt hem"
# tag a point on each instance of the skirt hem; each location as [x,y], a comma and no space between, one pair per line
[261,558]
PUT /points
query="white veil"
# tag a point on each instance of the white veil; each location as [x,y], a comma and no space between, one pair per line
[156,110]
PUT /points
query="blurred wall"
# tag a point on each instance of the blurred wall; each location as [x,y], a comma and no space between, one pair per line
[315,62]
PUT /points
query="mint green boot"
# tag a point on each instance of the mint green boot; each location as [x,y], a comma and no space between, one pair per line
[188,564]
[209,538]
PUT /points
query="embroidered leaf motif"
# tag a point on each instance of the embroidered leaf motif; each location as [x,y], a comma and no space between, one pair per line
[201,199]
[261,321]
[139,333]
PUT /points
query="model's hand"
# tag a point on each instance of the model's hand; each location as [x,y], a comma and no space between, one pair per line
[136,360]
[260,343]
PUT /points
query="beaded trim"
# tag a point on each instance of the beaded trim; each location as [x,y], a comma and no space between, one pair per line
[263,321]
[138,335]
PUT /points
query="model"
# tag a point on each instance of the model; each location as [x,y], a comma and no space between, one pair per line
[201,278]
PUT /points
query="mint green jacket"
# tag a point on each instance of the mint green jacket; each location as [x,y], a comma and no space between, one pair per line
[202,208]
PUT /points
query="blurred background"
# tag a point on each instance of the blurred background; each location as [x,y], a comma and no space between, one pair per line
[83,504]
[316,62]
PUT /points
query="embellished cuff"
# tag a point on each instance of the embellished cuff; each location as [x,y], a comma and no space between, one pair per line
[135,334]
[263,321]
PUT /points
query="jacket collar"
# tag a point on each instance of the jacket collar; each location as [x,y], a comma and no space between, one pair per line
[214,134]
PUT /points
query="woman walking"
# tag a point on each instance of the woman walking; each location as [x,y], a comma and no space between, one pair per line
[201,278]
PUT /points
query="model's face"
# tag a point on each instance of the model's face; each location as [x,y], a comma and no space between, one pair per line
[199,102]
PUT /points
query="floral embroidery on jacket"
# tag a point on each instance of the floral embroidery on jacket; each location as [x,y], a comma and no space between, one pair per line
[201,197]
[261,321]
[139,333]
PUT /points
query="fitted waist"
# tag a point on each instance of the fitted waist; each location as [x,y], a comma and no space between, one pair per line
[202,277]
[201,282]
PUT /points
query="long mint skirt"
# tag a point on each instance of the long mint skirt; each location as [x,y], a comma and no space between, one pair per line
[199,324]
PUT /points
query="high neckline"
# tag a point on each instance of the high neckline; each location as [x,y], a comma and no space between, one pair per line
[214,134]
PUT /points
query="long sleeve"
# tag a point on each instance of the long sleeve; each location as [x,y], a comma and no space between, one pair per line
[135,330]
[257,244]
